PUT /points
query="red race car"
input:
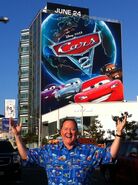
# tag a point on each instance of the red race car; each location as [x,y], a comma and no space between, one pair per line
[100,89]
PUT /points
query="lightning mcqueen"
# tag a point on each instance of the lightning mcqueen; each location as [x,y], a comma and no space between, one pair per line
[100,89]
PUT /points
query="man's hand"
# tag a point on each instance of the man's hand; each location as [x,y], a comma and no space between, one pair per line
[121,123]
[16,129]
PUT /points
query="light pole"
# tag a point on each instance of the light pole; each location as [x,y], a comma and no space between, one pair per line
[81,118]
[4,19]
[39,132]
[58,119]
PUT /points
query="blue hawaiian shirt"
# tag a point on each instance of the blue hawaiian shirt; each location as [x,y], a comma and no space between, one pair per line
[68,167]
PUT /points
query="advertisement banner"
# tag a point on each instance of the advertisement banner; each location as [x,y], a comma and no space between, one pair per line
[10,108]
[5,124]
[81,61]
[66,10]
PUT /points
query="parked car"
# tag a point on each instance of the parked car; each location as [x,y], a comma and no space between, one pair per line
[100,89]
[125,168]
[71,87]
[9,160]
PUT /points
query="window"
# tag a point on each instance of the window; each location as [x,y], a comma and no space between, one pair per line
[24,120]
[52,127]
[24,49]
[24,61]
[24,85]
[24,72]
[24,37]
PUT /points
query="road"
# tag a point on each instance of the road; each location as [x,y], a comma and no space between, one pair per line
[37,176]
[29,176]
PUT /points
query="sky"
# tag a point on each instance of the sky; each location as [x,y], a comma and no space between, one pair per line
[21,13]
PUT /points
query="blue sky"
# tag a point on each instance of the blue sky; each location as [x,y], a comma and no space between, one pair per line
[21,13]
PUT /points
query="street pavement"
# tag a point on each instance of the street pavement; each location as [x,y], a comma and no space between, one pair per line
[37,176]
[29,176]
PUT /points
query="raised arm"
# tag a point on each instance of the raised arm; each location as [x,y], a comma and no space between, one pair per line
[16,130]
[119,131]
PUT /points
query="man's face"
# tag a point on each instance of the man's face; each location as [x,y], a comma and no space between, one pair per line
[69,133]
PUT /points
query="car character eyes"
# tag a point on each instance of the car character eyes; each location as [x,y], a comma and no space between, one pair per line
[70,84]
[110,69]
[96,85]
[101,83]
[52,88]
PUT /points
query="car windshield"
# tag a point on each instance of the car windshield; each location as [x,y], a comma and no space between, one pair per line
[6,147]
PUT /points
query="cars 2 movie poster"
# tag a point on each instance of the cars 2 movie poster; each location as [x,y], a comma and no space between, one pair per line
[81,61]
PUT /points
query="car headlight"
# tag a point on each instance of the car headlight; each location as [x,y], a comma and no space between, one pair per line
[114,86]
[16,158]
[83,97]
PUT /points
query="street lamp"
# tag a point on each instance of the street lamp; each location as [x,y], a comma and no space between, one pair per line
[81,118]
[58,119]
[4,19]
[39,132]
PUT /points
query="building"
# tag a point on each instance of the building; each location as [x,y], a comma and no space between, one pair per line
[29,76]
[30,79]
[23,90]
[88,113]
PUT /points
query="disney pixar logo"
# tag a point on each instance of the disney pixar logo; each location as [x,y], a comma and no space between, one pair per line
[77,46]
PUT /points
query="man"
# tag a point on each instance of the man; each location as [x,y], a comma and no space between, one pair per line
[69,162]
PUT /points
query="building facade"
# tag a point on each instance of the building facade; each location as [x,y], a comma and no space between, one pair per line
[29,77]
[87,113]
[23,81]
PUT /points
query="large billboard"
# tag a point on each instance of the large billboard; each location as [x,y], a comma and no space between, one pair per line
[10,108]
[81,61]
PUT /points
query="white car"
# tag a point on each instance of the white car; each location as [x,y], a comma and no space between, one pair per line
[70,88]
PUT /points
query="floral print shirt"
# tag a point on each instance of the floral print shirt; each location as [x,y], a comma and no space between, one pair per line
[68,167]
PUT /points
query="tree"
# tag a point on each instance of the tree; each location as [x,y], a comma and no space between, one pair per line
[130,131]
[111,133]
[95,130]
[30,138]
